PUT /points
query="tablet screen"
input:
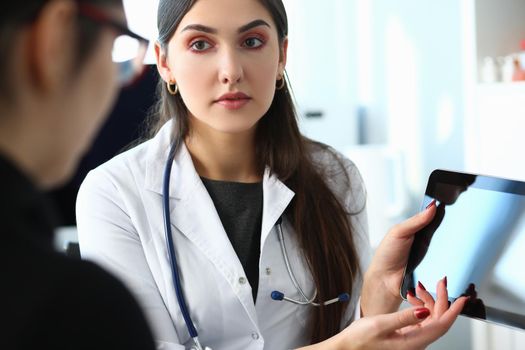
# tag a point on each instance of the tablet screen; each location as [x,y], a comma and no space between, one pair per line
[477,240]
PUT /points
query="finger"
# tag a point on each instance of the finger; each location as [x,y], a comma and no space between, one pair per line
[425,296]
[413,300]
[442,297]
[410,226]
[391,322]
[418,337]
[454,310]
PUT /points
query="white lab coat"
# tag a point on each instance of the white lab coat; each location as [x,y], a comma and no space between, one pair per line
[120,226]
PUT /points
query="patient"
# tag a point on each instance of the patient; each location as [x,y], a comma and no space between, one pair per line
[57,82]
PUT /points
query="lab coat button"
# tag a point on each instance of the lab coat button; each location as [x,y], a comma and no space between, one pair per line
[242,280]
[255,336]
[268,271]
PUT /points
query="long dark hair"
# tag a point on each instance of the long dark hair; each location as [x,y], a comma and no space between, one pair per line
[14,15]
[320,221]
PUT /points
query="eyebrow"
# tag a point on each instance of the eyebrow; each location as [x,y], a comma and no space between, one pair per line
[209,30]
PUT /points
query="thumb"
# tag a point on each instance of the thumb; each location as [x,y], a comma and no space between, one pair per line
[415,223]
[391,322]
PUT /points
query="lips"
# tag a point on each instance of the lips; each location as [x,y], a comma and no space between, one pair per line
[234,100]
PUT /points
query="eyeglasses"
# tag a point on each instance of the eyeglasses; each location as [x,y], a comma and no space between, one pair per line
[129,49]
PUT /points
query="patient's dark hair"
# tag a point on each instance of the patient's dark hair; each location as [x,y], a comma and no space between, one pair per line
[319,219]
[15,15]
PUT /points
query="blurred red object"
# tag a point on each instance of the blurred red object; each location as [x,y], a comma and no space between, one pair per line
[519,71]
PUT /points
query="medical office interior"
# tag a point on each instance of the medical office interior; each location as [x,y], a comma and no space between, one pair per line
[402,87]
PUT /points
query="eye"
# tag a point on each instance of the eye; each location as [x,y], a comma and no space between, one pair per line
[200,45]
[253,43]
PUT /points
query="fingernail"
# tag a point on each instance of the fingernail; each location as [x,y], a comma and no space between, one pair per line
[422,313]
[445,280]
[411,293]
[420,285]
[431,204]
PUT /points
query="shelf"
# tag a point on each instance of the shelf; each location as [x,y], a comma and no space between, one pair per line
[500,29]
[514,87]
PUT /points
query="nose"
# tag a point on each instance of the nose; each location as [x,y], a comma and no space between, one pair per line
[230,68]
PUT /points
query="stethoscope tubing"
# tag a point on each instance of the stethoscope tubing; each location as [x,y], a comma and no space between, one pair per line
[287,263]
[276,295]
[171,250]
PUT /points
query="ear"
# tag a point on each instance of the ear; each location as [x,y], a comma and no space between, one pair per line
[283,57]
[162,63]
[51,44]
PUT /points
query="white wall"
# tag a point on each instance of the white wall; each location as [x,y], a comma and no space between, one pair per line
[142,19]
[398,61]
[322,66]
[418,83]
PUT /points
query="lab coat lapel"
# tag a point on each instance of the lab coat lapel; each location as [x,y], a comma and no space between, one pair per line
[194,214]
[277,196]
[275,193]
[194,201]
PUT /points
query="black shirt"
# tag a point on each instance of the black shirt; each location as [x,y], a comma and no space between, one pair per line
[50,301]
[239,206]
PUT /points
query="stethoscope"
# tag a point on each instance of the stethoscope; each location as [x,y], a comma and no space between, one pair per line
[275,295]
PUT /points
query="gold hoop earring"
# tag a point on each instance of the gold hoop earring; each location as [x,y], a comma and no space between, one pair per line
[281,84]
[173,88]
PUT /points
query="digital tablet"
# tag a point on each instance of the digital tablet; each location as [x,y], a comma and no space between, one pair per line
[477,240]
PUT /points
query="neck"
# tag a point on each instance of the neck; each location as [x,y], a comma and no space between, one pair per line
[16,152]
[224,156]
[25,145]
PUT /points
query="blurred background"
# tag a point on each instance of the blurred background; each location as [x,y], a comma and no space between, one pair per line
[402,87]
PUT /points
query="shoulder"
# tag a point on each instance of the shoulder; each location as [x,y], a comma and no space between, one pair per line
[77,301]
[340,174]
[130,168]
[80,274]
[85,283]
[96,297]
[123,165]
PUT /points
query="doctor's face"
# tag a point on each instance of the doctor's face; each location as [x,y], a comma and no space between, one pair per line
[225,58]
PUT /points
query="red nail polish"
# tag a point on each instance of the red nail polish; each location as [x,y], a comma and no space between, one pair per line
[422,313]
[411,293]
[431,203]
[445,280]
[420,285]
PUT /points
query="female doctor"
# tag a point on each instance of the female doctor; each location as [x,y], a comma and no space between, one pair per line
[268,228]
